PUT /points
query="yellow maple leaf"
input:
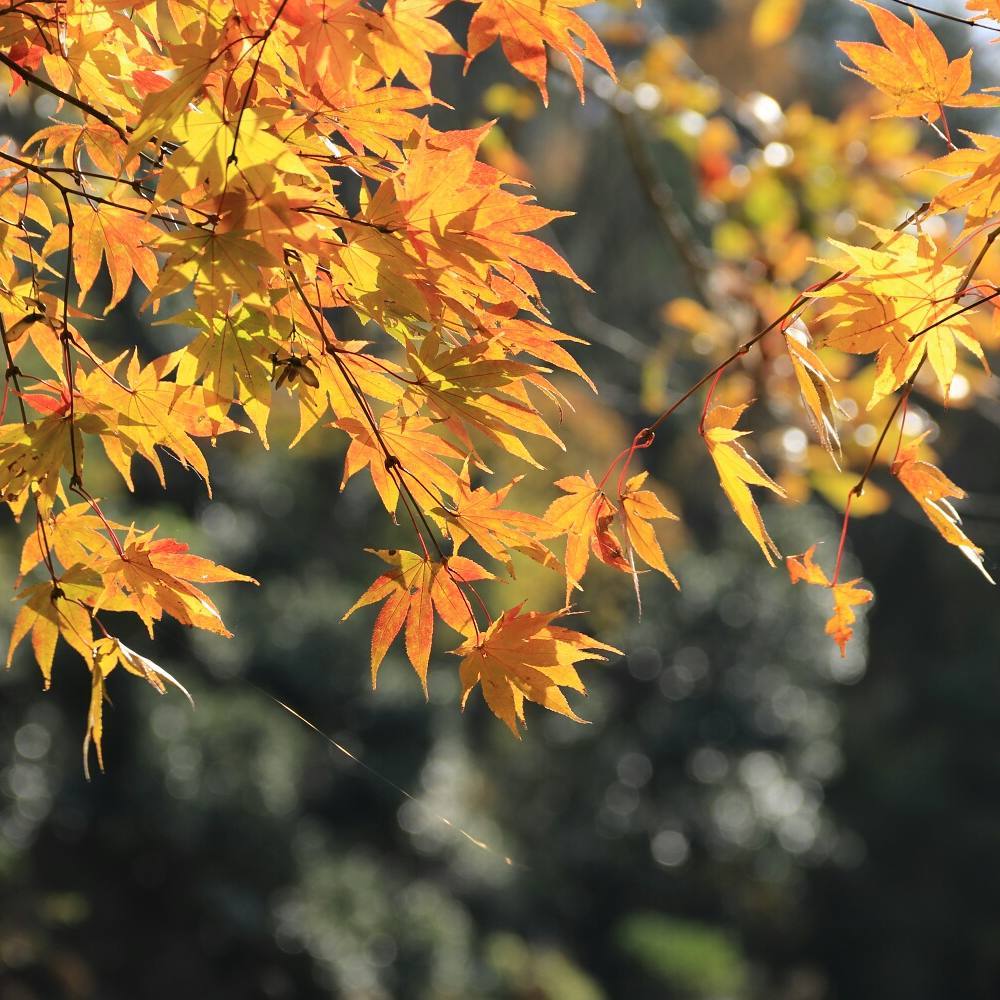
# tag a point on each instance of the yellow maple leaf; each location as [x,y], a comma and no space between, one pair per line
[898,302]
[738,471]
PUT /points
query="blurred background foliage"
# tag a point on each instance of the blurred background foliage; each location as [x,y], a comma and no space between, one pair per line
[747,815]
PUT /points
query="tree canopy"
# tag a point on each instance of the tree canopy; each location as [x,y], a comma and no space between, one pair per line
[270,175]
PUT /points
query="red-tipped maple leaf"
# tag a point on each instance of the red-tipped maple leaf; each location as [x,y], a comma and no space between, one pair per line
[157,575]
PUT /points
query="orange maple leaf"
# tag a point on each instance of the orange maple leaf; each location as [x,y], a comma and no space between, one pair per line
[976,185]
[157,575]
[413,589]
[913,70]
[576,515]
[934,491]
[525,27]
[53,611]
[846,596]
[478,514]
[525,656]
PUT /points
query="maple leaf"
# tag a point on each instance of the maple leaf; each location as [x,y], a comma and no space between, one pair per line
[638,508]
[405,37]
[738,472]
[524,656]
[454,210]
[413,590]
[477,514]
[153,576]
[343,373]
[898,302]
[846,596]
[213,263]
[56,610]
[210,149]
[194,59]
[375,118]
[75,536]
[576,515]
[412,446]
[913,69]
[120,235]
[525,27]
[148,413]
[33,455]
[109,653]
[231,356]
[102,145]
[537,339]
[471,386]
[814,380]
[976,189]
[934,491]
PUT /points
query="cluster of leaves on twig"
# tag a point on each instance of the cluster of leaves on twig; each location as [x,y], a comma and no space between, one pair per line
[258,166]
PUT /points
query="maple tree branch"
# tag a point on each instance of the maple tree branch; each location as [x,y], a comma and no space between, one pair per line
[67,338]
[46,174]
[843,539]
[947,17]
[79,490]
[859,487]
[461,584]
[12,374]
[743,349]
[404,496]
[46,550]
[984,250]
[393,464]
[798,303]
[253,76]
[957,312]
[38,81]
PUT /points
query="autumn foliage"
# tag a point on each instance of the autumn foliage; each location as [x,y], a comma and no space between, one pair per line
[253,168]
